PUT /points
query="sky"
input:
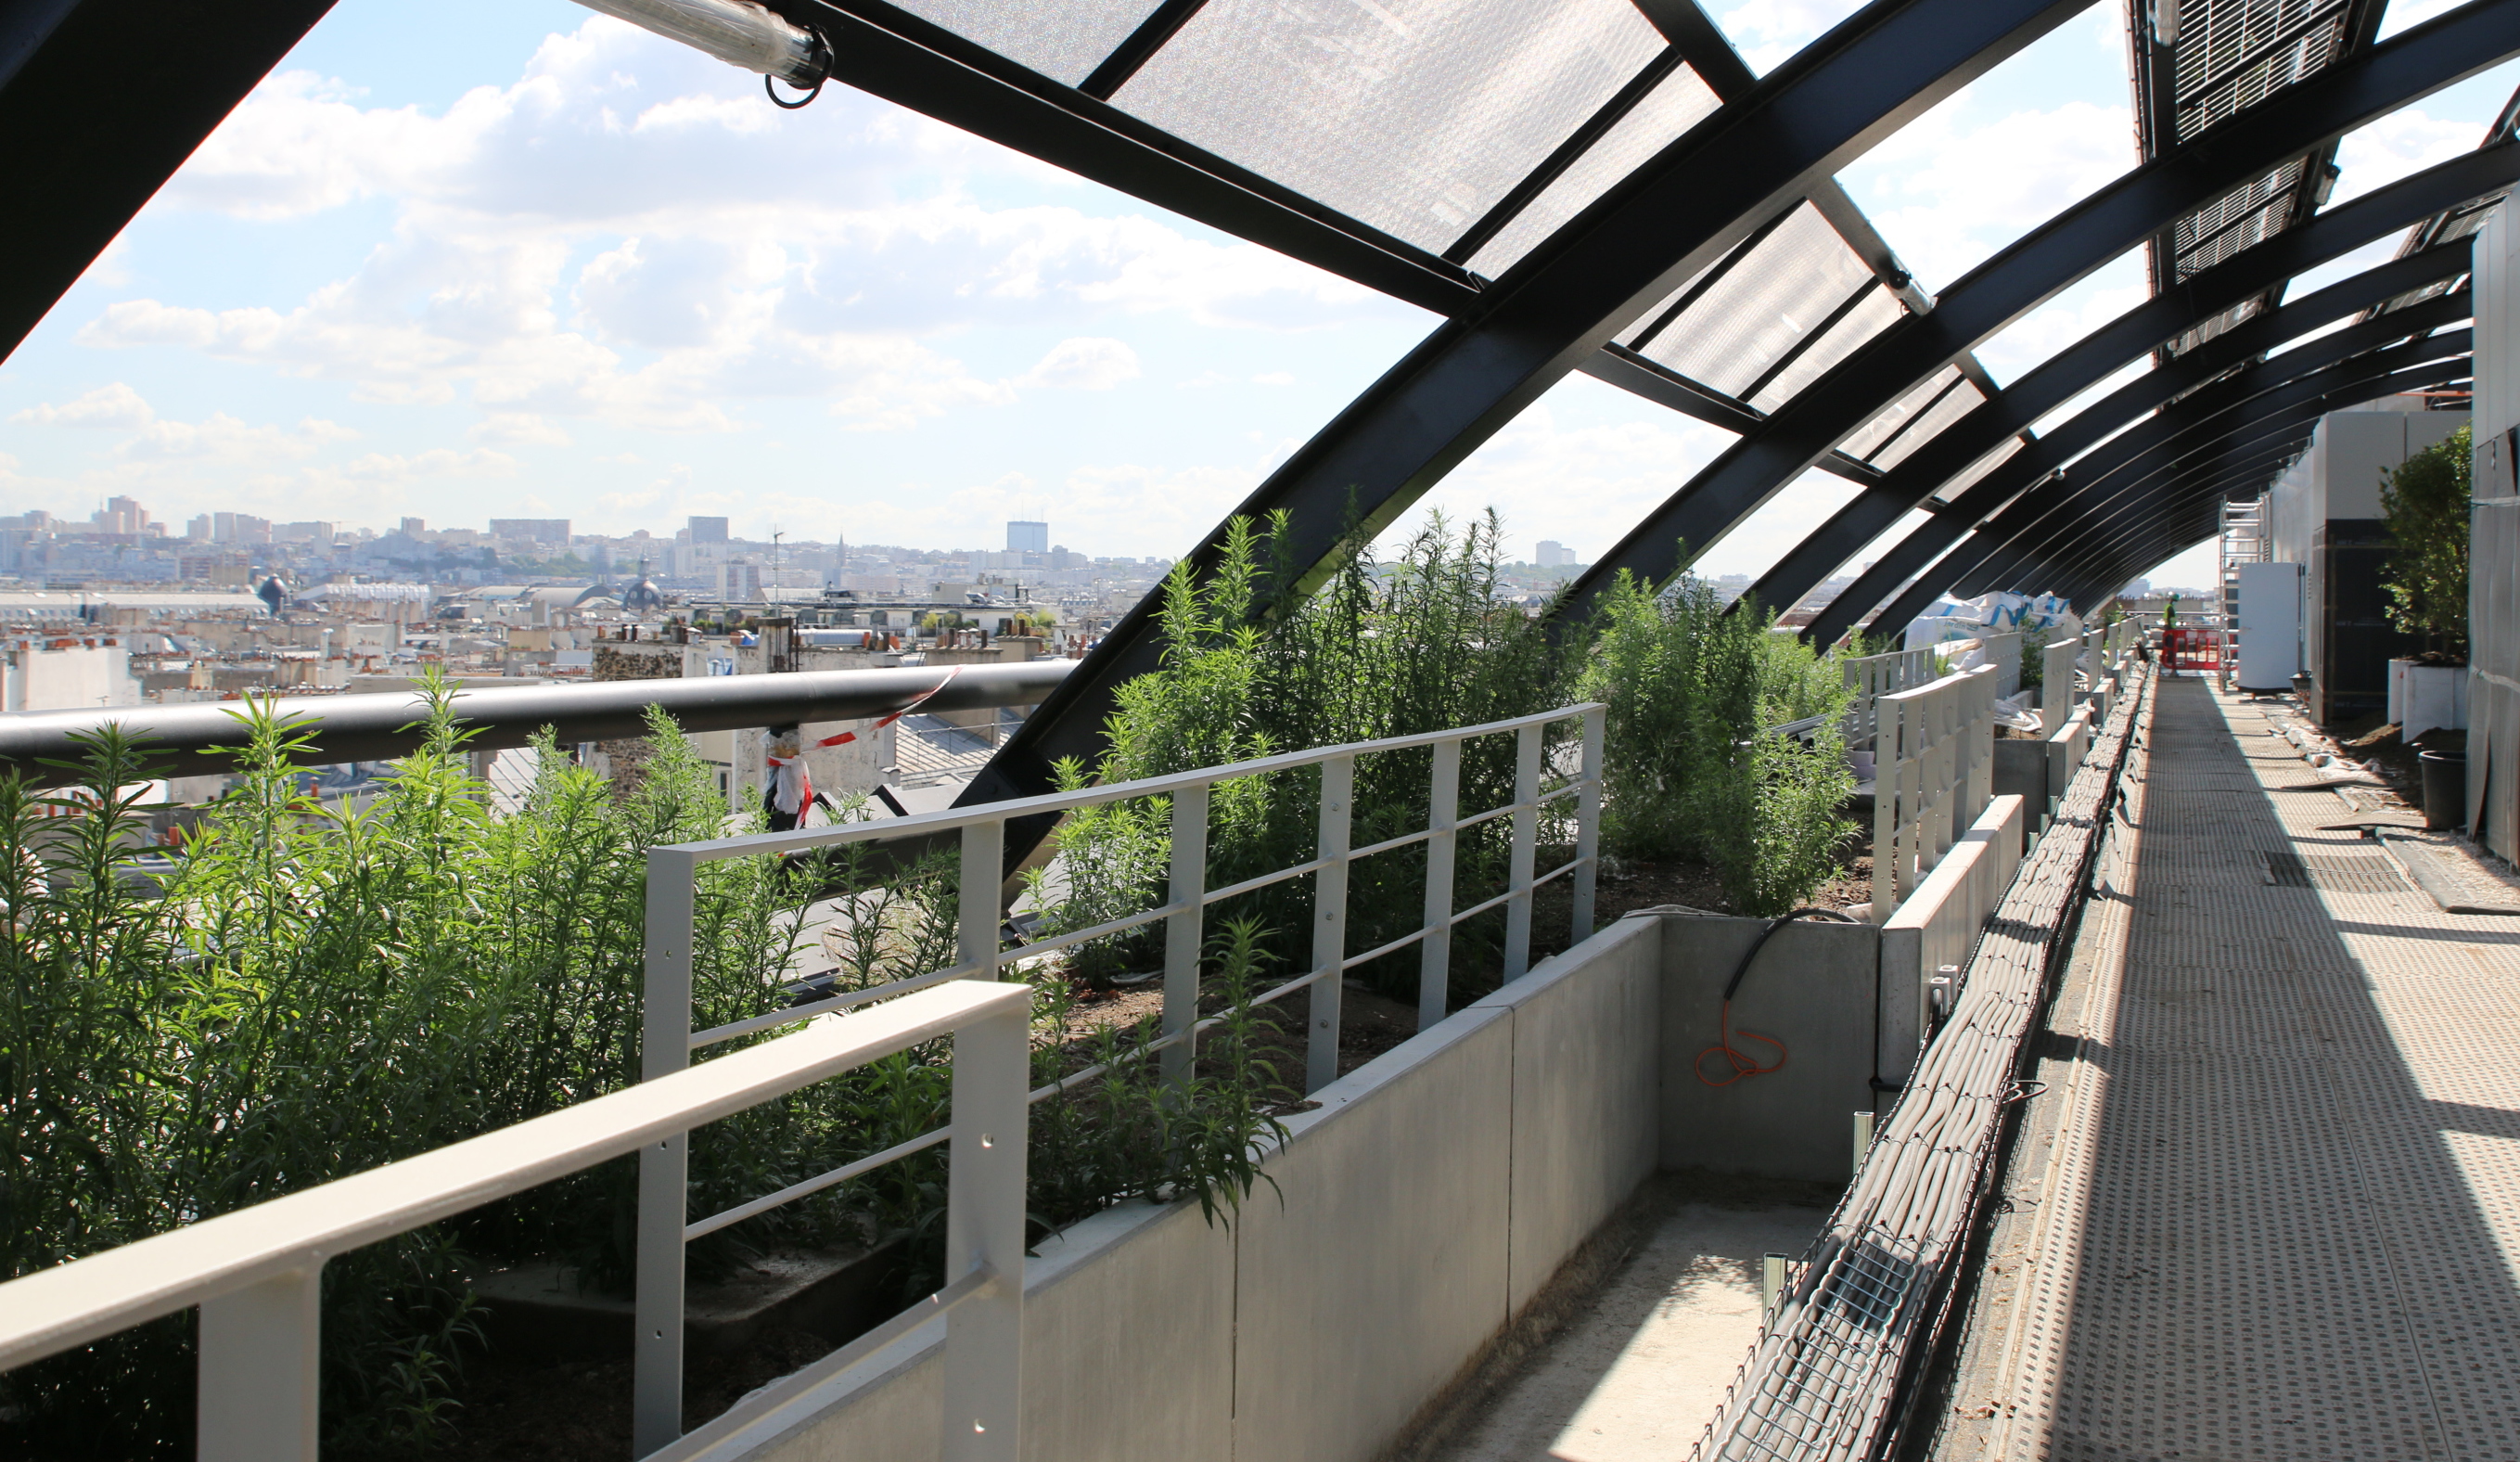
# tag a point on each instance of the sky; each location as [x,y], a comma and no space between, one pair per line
[510,257]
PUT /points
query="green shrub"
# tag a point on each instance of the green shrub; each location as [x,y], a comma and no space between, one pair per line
[1690,766]
[2426,502]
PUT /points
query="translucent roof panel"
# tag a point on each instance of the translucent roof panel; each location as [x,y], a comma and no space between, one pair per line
[1675,104]
[1968,476]
[1755,311]
[1867,439]
[1878,311]
[1415,117]
[1963,400]
[1062,39]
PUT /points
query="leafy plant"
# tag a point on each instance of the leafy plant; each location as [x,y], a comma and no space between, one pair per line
[1693,767]
[2426,503]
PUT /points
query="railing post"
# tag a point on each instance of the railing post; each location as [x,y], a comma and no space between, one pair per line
[1329,923]
[1588,823]
[1525,854]
[1435,951]
[1184,929]
[984,1225]
[983,869]
[664,1165]
[260,1381]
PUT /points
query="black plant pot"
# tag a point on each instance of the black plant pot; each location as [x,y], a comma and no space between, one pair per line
[2445,788]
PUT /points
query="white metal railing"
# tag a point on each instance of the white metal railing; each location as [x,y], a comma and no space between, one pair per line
[664,1224]
[256,1273]
[1933,774]
[1872,676]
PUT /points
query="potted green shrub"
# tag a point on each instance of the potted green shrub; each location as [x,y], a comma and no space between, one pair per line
[2425,500]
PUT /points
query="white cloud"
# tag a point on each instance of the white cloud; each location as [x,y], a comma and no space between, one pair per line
[385,470]
[519,429]
[630,234]
[223,440]
[2394,146]
[1084,363]
[116,406]
[1767,31]
[1948,195]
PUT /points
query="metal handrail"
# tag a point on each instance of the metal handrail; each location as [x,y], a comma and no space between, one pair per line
[255,1274]
[665,1222]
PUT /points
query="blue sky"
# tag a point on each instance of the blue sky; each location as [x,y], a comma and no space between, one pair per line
[472,258]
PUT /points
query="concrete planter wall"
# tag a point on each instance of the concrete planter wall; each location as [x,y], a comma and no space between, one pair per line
[1433,1193]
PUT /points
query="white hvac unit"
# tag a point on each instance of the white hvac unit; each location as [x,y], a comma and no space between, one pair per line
[2270,625]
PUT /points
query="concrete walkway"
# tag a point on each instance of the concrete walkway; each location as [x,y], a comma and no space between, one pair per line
[1637,1373]
[2268,1204]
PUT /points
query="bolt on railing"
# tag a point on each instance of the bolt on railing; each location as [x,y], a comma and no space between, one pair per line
[664,1224]
[256,1273]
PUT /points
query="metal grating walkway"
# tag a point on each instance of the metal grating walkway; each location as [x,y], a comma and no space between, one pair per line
[2274,1207]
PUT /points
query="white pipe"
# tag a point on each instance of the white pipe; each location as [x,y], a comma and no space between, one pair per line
[735,32]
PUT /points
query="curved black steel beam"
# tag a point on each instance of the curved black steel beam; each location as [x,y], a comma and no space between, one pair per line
[2399,204]
[1553,311]
[2049,529]
[2009,480]
[2169,441]
[1961,558]
[2118,217]
[2296,403]
[2046,532]
[2088,426]
[2130,337]
[101,101]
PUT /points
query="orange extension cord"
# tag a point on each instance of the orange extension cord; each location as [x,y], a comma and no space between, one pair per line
[1743,1066]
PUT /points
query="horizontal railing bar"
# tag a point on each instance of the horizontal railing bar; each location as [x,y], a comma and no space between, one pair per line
[829,1005]
[952,818]
[1231,891]
[811,1185]
[83,1300]
[1401,942]
[1056,942]
[788,1390]
[1390,843]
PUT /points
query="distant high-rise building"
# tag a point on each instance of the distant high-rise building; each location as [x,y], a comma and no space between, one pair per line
[552,530]
[708,531]
[413,527]
[239,528]
[738,584]
[1551,554]
[1027,537]
[198,530]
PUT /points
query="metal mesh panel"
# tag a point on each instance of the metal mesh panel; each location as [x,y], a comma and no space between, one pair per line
[1879,310]
[1673,108]
[1875,431]
[1413,115]
[2233,53]
[1950,408]
[1062,39]
[2238,219]
[1772,298]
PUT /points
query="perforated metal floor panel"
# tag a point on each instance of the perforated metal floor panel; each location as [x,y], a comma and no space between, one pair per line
[2280,1214]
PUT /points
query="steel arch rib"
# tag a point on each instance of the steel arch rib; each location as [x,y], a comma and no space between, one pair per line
[2153,389]
[2046,526]
[2031,534]
[1993,552]
[2128,338]
[1551,312]
[2065,375]
[2016,473]
[2118,217]
[2304,399]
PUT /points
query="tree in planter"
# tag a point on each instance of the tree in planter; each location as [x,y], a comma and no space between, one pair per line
[2426,503]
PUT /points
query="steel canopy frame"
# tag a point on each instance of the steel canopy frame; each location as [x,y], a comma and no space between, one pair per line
[1990,552]
[2127,339]
[1553,310]
[2120,216]
[2146,392]
[101,102]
